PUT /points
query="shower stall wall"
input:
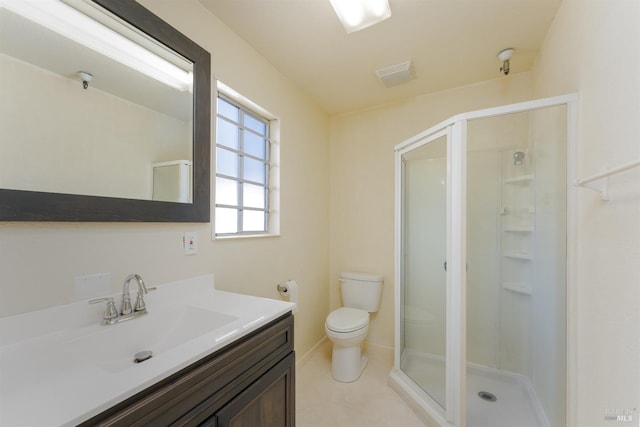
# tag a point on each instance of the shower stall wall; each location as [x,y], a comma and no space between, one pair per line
[482,271]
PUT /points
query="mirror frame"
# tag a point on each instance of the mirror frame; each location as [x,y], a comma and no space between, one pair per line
[20,205]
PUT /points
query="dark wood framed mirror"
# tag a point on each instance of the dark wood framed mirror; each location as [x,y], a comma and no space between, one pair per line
[25,204]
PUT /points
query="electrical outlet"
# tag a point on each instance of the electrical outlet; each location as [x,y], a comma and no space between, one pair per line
[190,241]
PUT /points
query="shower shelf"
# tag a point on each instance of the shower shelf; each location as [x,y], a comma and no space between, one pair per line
[519,229]
[519,179]
[518,255]
[520,288]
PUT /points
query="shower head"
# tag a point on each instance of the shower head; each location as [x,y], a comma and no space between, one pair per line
[505,57]
[518,158]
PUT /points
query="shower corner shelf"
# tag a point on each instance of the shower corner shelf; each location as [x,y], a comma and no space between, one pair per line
[517,287]
[519,179]
[518,255]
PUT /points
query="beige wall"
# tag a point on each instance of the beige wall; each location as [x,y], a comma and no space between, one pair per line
[593,48]
[362,180]
[39,261]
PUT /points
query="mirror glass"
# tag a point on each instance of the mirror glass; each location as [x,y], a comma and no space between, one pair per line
[90,105]
[105,114]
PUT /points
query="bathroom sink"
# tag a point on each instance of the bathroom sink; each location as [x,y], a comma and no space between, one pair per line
[113,347]
[75,368]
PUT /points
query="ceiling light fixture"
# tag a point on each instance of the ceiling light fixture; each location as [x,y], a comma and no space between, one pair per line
[75,25]
[358,14]
[505,57]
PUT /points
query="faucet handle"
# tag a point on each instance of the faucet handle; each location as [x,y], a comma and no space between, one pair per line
[110,312]
[126,304]
[140,304]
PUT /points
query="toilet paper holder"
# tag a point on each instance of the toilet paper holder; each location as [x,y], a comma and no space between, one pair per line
[286,289]
[289,289]
[283,288]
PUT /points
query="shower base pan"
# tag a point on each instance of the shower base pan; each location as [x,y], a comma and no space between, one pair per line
[495,398]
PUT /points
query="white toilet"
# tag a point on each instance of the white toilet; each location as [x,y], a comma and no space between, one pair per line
[347,327]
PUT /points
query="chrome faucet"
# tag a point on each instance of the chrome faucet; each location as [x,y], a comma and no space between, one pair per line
[111,314]
[126,296]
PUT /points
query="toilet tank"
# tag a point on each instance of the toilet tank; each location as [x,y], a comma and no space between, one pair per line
[361,290]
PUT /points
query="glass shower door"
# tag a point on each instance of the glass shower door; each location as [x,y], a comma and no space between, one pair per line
[517,268]
[424,240]
[482,266]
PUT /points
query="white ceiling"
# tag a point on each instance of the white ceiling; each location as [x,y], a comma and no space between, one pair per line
[451,43]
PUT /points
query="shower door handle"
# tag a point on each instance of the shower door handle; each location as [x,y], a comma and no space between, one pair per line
[445,266]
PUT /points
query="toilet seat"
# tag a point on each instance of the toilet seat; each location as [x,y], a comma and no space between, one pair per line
[347,319]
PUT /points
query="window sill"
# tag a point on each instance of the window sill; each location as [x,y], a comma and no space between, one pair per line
[246,236]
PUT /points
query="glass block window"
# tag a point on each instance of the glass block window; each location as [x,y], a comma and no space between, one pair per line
[242,170]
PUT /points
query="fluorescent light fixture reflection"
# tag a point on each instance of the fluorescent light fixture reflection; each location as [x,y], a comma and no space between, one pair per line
[358,14]
[73,24]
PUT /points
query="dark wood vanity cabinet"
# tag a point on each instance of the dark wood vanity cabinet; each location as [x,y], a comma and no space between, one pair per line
[248,383]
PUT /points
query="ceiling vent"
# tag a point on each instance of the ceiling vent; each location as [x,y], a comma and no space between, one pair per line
[398,74]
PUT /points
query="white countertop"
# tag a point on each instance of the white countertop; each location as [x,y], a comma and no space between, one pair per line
[59,366]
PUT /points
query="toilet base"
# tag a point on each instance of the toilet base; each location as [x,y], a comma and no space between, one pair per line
[347,363]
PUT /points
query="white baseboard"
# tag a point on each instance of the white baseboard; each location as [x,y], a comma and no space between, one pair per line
[301,360]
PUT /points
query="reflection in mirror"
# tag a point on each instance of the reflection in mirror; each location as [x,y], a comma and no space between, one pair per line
[71,74]
[171,181]
[104,114]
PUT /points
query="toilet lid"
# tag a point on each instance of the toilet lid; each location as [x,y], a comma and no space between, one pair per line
[347,319]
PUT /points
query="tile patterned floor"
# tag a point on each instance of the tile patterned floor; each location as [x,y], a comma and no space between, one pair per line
[323,402]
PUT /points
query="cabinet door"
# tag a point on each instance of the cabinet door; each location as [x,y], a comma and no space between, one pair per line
[267,402]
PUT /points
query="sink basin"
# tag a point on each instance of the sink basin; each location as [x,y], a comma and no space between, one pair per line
[62,358]
[114,346]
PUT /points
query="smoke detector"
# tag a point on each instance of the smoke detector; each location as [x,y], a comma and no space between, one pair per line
[397,74]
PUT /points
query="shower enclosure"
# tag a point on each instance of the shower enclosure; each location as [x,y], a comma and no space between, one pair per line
[483,221]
